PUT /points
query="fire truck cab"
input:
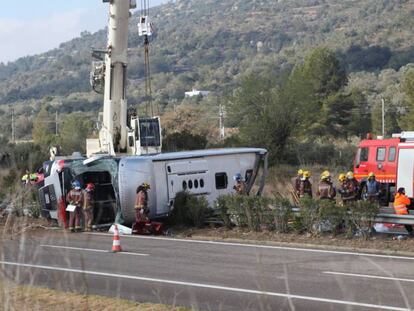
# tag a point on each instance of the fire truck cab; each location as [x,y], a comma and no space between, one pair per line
[392,162]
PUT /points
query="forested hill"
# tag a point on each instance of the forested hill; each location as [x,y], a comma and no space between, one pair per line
[211,44]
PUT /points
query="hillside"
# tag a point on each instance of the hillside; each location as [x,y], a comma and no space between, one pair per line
[211,44]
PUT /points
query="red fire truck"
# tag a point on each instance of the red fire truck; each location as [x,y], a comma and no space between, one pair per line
[392,162]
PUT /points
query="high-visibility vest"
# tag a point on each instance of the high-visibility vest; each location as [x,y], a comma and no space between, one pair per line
[400,204]
[401,210]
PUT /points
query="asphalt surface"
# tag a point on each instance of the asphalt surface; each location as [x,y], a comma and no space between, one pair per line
[210,275]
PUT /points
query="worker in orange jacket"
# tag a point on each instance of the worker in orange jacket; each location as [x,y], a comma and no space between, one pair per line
[401,203]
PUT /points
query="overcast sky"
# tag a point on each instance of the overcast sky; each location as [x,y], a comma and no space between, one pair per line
[30,27]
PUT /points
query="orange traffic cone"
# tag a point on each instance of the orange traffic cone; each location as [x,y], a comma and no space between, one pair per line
[116,245]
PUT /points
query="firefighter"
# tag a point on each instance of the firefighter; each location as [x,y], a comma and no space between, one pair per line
[75,197]
[326,190]
[88,202]
[141,209]
[353,187]
[342,187]
[305,188]
[26,178]
[240,185]
[401,203]
[373,188]
[296,181]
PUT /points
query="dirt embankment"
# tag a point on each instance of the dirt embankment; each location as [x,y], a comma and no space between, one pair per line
[377,243]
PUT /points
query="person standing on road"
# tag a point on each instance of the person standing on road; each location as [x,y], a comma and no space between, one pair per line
[240,185]
[305,188]
[88,203]
[401,203]
[75,198]
[373,188]
[141,208]
[326,190]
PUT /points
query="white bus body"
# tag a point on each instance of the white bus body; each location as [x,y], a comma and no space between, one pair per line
[205,172]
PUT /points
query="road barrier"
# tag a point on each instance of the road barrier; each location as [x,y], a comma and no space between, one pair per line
[386,216]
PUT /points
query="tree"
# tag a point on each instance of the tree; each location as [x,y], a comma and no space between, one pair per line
[73,133]
[346,114]
[323,70]
[180,141]
[312,91]
[190,119]
[42,133]
[263,118]
[406,122]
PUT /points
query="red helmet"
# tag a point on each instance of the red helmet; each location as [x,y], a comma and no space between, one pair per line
[90,186]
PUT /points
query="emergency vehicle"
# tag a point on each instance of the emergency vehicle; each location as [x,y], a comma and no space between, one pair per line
[392,162]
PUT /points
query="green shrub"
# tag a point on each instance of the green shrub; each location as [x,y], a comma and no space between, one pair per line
[189,210]
[309,218]
[247,211]
[332,215]
[281,215]
[360,217]
[221,205]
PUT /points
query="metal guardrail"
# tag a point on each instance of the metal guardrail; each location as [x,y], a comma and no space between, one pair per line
[386,216]
[395,219]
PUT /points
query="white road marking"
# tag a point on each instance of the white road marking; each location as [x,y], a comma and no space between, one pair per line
[216,287]
[310,250]
[368,276]
[92,250]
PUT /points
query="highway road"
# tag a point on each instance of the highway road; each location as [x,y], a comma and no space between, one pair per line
[208,275]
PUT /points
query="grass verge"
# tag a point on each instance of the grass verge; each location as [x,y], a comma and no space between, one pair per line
[20,297]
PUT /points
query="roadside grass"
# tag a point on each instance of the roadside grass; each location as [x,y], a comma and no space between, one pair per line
[279,178]
[21,297]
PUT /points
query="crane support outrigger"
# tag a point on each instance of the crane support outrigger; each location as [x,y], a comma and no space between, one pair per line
[120,133]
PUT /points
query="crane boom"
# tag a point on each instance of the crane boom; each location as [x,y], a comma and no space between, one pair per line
[110,76]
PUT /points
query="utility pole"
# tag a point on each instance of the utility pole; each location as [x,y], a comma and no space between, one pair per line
[13,127]
[221,118]
[56,122]
[383,117]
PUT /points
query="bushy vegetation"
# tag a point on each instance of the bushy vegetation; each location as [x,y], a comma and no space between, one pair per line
[312,216]
[189,210]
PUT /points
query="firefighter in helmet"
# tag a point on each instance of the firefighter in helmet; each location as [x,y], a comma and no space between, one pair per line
[88,202]
[240,185]
[305,188]
[373,188]
[342,186]
[296,181]
[353,186]
[75,198]
[326,190]
[141,208]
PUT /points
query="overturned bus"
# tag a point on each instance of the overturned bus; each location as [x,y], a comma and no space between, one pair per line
[204,172]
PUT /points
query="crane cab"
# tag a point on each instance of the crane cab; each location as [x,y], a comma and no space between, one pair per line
[144,136]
